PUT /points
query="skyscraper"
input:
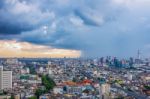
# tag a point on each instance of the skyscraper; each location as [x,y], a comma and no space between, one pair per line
[138,54]
[5,79]
[1,77]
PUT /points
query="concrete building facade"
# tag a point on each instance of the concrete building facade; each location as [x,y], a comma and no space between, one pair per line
[5,79]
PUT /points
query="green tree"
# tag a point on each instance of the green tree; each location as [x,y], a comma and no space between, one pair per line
[34,97]
[48,82]
[147,87]
[38,93]
[74,79]
[12,97]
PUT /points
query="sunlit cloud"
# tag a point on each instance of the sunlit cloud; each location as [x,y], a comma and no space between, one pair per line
[12,48]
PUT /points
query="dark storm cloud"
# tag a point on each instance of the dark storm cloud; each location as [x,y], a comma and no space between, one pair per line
[1,4]
[96,27]
[14,28]
[88,19]
[18,16]
[59,39]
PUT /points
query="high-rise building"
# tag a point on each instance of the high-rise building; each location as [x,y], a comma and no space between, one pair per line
[1,77]
[5,79]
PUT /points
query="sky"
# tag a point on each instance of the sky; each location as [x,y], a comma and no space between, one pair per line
[74,28]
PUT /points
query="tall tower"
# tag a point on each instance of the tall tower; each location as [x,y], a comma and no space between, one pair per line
[138,54]
[65,68]
[49,67]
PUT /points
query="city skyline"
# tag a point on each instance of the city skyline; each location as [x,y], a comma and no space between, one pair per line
[67,28]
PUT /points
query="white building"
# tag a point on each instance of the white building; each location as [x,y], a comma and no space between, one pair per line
[49,63]
[12,61]
[104,91]
[1,77]
[129,76]
[58,90]
[28,70]
[105,88]
[41,69]
[5,79]
[50,72]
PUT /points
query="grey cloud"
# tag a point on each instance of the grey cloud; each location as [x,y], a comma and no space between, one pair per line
[107,29]
[17,16]
[90,18]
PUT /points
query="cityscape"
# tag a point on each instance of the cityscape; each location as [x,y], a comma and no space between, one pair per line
[75,78]
[74,49]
